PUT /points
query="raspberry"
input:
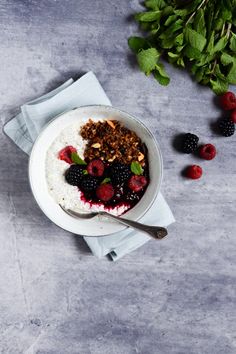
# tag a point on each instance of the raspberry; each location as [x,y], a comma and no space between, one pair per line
[120,173]
[233,116]
[105,192]
[226,127]
[207,152]
[96,168]
[190,142]
[136,183]
[194,172]
[74,175]
[65,154]
[228,101]
[89,183]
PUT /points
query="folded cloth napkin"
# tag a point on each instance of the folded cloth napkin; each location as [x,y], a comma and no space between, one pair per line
[25,127]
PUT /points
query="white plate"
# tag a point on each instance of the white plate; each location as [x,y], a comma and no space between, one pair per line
[97,226]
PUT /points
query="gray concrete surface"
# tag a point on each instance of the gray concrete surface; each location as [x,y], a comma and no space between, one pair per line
[173,297]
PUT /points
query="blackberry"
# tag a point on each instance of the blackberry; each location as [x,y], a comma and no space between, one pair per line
[190,142]
[119,173]
[226,127]
[74,175]
[89,183]
[132,197]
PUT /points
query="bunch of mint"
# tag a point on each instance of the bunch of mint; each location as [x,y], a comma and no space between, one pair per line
[199,34]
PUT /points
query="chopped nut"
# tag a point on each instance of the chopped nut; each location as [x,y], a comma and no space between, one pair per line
[111,124]
[96,146]
[140,156]
[112,159]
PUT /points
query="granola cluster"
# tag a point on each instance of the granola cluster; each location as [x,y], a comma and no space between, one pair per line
[110,141]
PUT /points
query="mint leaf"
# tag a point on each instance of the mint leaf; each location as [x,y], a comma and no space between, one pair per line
[138,43]
[219,86]
[161,75]
[233,43]
[147,60]
[148,16]
[195,39]
[85,172]
[76,159]
[136,168]
[220,45]
[106,180]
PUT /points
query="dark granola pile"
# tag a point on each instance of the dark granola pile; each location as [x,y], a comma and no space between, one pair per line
[110,141]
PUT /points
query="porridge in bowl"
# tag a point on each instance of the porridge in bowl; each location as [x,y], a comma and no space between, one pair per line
[97,166]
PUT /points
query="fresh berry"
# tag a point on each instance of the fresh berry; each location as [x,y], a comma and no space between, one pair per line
[194,172]
[74,175]
[105,192]
[137,183]
[65,154]
[119,173]
[190,142]
[96,168]
[228,101]
[233,116]
[132,197]
[89,183]
[226,127]
[207,152]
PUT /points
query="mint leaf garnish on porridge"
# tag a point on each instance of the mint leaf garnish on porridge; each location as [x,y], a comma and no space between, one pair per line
[136,168]
[76,159]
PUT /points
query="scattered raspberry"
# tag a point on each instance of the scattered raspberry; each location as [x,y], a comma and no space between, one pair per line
[190,142]
[194,172]
[233,116]
[96,168]
[136,183]
[226,127]
[105,192]
[207,152]
[65,154]
[228,101]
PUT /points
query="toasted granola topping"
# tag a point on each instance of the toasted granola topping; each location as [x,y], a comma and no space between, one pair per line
[110,141]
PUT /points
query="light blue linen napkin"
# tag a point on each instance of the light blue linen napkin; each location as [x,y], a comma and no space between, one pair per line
[25,127]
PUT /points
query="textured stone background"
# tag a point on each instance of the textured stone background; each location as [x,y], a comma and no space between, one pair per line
[173,297]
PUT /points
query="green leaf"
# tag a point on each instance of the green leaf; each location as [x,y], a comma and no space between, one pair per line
[160,75]
[85,172]
[154,4]
[233,43]
[136,168]
[148,16]
[195,39]
[226,59]
[192,53]
[210,45]
[106,180]
[219,86]
[76,159]
[231,77]
[147,60]
[199,23]
[220,45]
[138,43]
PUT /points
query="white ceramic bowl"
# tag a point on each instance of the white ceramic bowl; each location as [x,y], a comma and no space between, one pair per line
[96,226]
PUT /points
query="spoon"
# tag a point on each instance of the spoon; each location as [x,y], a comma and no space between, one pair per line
[155,232]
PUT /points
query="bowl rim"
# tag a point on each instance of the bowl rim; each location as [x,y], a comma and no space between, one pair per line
[106,107]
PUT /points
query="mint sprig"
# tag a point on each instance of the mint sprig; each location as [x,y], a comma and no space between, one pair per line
[106,180]
[199,34]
